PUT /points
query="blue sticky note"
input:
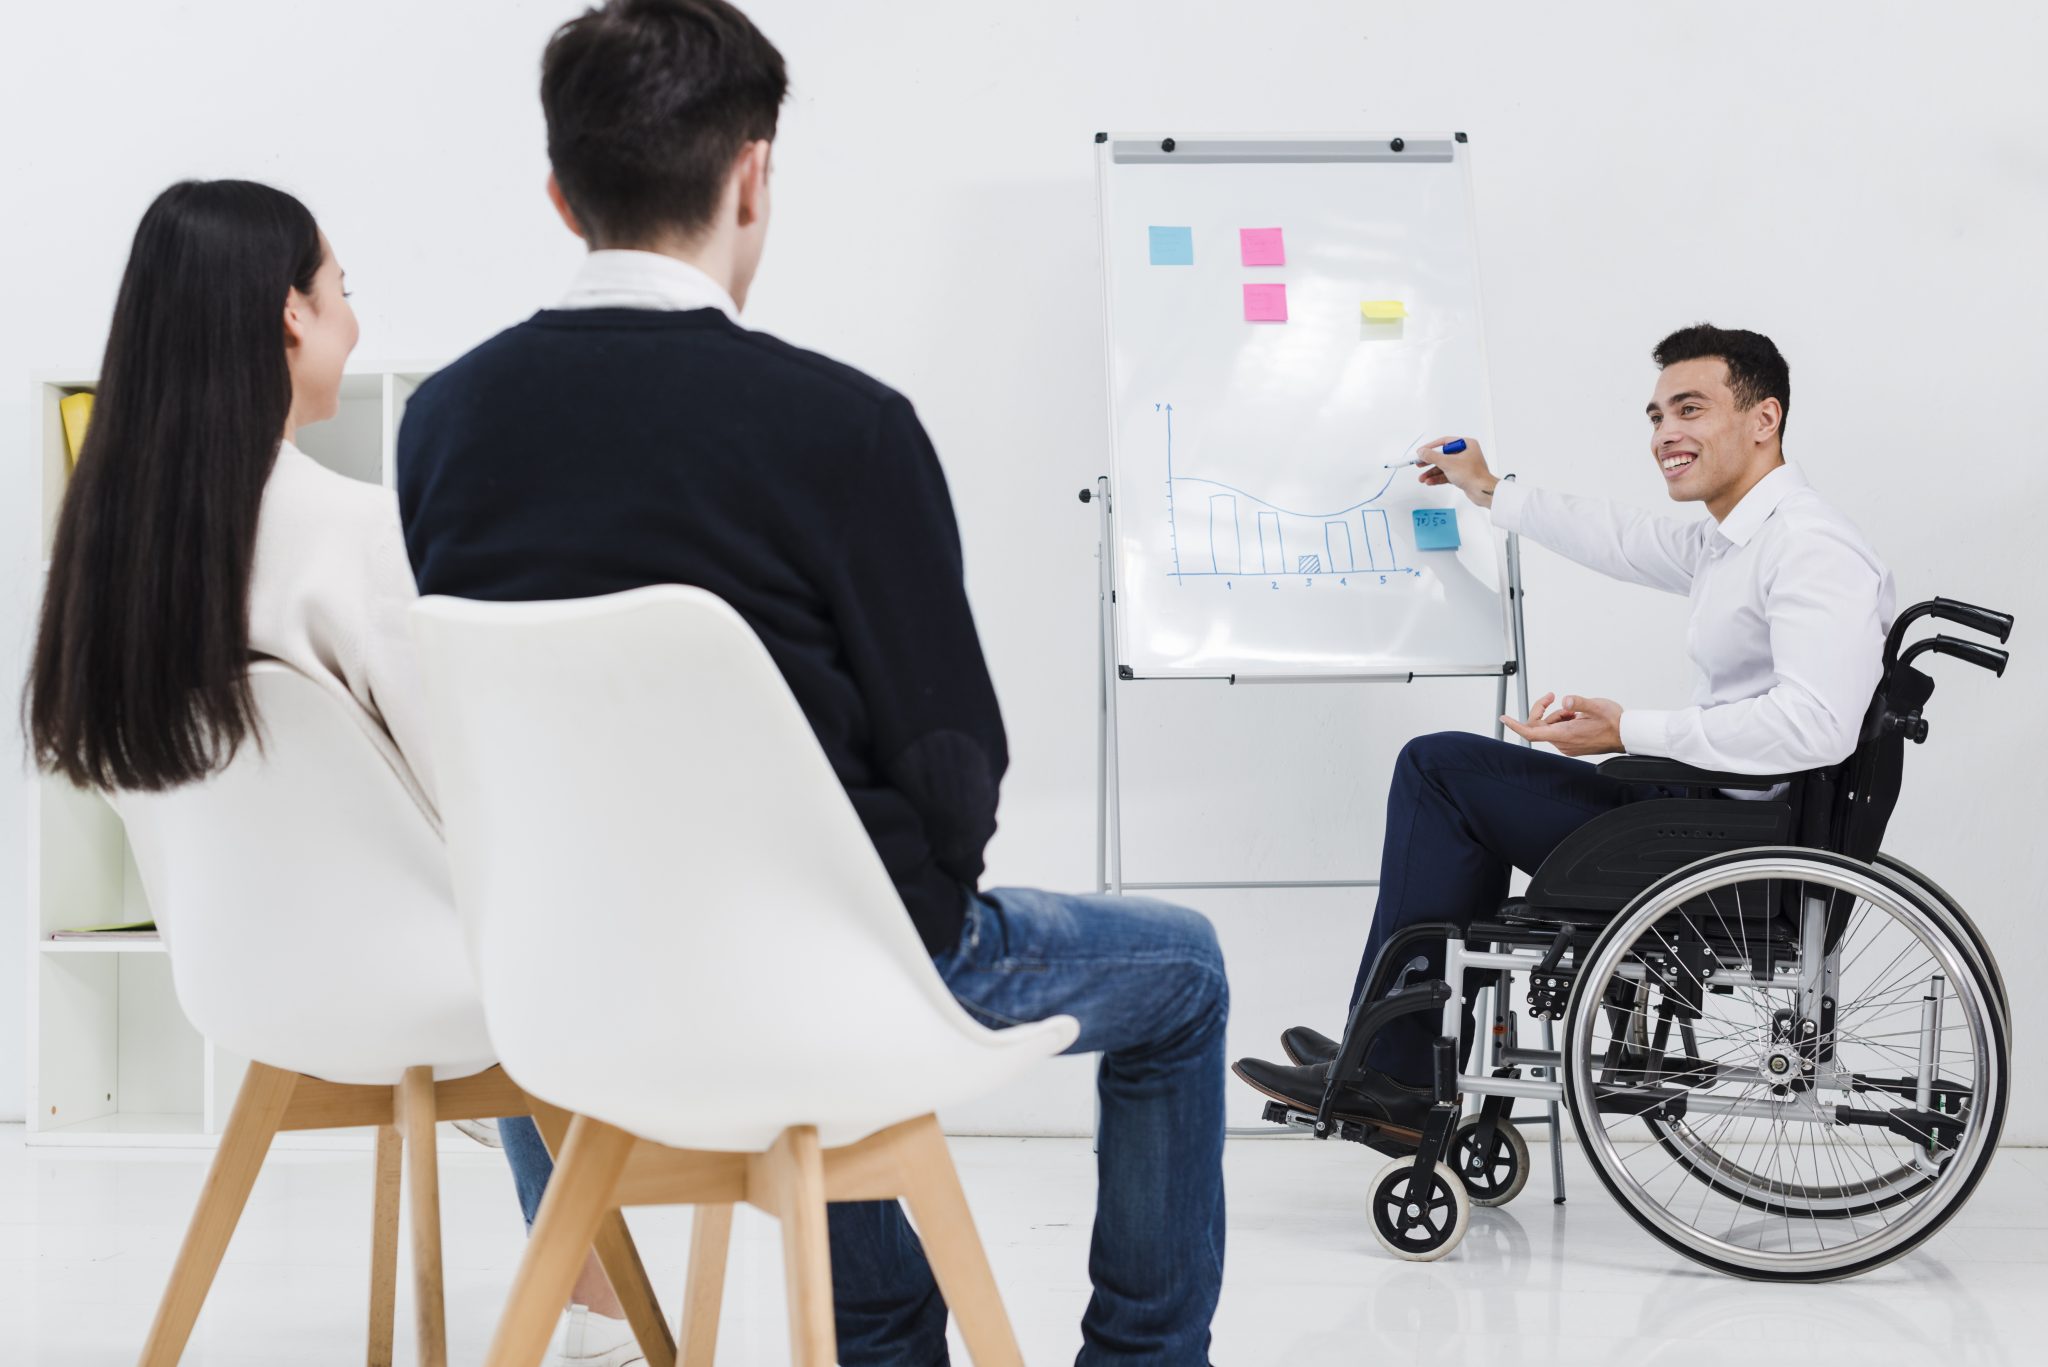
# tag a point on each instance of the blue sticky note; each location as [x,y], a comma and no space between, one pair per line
[1172,246]
[1436,529]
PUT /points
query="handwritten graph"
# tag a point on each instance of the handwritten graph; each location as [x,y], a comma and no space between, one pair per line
[1220,531]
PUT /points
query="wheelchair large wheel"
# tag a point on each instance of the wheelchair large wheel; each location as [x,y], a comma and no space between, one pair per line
[1868,1195]
[1785,1064]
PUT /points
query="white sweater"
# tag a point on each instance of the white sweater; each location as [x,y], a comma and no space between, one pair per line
[330,593]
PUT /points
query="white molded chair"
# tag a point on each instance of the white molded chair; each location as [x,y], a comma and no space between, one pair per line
[639,816]
[303,894]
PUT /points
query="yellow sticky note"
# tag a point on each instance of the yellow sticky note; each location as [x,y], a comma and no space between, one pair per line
[77,412]
[1383,310]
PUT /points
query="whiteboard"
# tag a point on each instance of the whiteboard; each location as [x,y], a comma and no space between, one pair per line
[1258,530]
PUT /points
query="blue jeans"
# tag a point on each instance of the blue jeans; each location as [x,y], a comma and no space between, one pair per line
[531,1166]
[1146,982]
[1463,812]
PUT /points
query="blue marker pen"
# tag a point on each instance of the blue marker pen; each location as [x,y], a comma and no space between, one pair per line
[1450,448]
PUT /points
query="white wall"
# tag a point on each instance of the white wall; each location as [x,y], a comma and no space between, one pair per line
[1864,182]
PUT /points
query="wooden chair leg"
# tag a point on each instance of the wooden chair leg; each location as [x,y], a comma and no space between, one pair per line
[422,1163]
[620,1258]
[953,1247]
[384,1246]
[792,1185]
[579,1197]
[259,1109]
[704,1296]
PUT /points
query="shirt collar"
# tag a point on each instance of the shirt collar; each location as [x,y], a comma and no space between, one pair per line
[645,280]
[1746,518]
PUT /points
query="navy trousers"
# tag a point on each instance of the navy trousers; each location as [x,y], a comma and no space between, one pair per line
[1463,812]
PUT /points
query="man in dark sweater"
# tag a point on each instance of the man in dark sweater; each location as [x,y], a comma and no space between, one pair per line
[638,434]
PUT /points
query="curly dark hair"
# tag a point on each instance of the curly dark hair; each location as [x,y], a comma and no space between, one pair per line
[1756,370]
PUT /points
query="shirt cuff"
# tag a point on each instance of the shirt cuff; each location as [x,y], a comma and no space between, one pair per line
[1507,505]
[1645,731]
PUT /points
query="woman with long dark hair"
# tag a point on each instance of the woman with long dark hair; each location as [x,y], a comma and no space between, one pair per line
[195,534]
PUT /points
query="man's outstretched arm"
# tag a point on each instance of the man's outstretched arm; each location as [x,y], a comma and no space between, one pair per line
[1618,541]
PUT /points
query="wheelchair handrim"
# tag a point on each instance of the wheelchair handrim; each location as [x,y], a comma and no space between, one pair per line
[1928,927]
[1761,1192]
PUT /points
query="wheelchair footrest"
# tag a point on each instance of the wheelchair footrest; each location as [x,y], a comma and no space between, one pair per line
[1279,1113]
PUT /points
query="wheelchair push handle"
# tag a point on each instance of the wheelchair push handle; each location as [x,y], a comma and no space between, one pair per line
[1983,656]
[1996,624]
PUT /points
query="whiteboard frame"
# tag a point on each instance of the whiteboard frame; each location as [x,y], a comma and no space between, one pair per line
[1227,148]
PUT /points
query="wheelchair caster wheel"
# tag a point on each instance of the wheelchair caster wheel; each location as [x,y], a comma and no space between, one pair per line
[1420,1227]
[1497,1176]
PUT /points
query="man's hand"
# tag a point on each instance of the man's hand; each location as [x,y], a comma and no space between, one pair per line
[1466,469]
[1579,726]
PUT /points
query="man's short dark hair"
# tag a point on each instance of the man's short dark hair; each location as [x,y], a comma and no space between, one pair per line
[1755,369]
[648,102]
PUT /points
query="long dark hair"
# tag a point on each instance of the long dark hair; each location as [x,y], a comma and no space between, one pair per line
[139,679]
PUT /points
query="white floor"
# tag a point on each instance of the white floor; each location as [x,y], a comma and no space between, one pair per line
[87,1237]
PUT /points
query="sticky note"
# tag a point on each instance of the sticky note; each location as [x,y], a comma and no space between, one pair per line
[1261,247]
[1383,310]
[1172,246]
[1436,529]
[1265,303]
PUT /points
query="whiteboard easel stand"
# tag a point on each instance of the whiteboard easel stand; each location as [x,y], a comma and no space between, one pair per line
[1109,858]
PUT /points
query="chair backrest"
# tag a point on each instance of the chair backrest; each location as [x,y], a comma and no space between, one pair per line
[671,896]
[303,893]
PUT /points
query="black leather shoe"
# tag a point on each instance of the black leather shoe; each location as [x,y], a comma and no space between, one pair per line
[1394,1111]
[1308,1047]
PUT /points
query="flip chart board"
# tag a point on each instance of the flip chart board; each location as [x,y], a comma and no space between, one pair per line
[1288,318]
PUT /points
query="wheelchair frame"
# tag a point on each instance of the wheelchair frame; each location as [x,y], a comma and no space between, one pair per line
[1582,889]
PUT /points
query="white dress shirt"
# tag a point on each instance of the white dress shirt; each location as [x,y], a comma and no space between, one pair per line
[645,280]
[1790,606]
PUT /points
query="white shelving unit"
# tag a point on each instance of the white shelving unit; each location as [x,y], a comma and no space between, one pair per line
[112,1061]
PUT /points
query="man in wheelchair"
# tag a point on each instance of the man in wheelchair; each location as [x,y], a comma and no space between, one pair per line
[1783,1051]
[1788,619]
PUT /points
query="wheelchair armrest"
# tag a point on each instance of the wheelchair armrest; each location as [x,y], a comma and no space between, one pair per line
[1652,769]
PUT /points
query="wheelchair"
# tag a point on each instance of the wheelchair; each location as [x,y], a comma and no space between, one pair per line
[1785,1053]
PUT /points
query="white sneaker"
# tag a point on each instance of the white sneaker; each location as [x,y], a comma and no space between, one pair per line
[484,1132]
[588,1339]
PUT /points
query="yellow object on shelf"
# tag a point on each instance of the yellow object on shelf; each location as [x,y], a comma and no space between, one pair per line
[77,411]
[1383,310]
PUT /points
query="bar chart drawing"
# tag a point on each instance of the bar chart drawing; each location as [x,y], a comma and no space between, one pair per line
[1246,536]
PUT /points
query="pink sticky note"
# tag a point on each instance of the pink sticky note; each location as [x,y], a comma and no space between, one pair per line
[1265,303]
[1261,247]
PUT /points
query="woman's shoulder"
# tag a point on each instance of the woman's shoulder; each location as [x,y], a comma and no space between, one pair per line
[307,503]
[319,522]
[301,483]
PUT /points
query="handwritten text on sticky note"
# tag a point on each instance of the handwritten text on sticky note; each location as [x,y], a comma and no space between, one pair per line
[1265,303]
[1436,529]
[1172,246]
[1261,247]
